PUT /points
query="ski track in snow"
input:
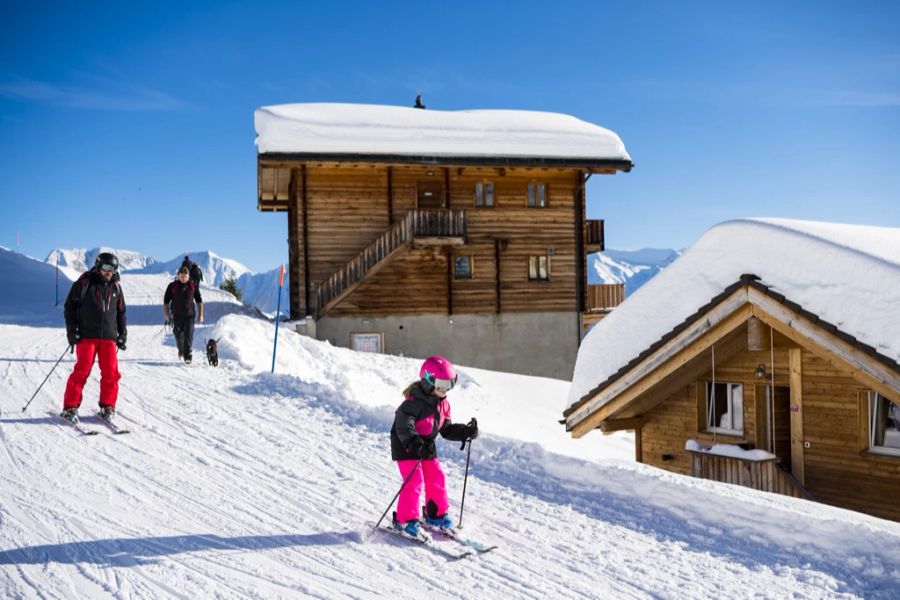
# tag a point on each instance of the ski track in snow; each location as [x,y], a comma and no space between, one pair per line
[236,484]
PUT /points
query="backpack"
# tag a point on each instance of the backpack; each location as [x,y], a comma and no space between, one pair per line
[85,281]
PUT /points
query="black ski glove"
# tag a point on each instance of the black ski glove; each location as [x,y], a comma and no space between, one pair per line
[472,429]
[73,337]
[120,342]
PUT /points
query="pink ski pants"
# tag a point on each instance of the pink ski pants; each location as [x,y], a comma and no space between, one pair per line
[408,506]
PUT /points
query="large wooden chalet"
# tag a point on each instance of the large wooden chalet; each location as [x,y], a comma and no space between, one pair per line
[422,232]
[798,396]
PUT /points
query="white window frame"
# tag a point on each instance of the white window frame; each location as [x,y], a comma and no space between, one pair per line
[874,414]
[730,388]
[534,266]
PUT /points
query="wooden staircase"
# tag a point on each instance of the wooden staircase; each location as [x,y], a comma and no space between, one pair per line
[420,227]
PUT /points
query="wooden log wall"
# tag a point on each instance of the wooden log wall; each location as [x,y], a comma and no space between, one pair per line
[763,475]
[349,206]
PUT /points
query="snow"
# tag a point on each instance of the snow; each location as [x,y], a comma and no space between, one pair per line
[371,129]
[261,290]
[731,450]
[75,261]
[849,275]
[240,483]
[216,269]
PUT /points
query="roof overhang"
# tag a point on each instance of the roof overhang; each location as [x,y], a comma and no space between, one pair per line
[681,355]
[592,165]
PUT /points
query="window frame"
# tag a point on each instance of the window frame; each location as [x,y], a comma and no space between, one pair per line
[730,387]
[538,257]
[481,194]
[873,398]
[531,197]
[471,260]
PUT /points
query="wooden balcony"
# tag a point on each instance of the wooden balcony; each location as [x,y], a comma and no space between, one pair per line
[594,240]
[601,298]
[766,475]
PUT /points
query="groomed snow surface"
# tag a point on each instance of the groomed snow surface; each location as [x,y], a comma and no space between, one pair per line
[849,275]
[239,483]
[332,128]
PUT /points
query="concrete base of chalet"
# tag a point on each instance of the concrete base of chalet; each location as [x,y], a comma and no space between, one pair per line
[540,344]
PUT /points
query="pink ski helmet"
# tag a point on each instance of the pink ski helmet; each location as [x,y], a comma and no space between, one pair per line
[438,372]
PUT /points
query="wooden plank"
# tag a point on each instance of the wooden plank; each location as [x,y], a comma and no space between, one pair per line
[612,425]
[796,375]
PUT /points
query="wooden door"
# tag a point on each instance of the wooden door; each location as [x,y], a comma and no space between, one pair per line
[780,411]
[429,194]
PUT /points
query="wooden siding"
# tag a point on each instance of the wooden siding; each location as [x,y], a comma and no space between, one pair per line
[836,470]
[763,475]
[605,296]
[349,206]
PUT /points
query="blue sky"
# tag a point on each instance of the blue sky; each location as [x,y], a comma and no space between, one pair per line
[133,126]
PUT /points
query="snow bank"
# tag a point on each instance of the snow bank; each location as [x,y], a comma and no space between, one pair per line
[372,129]
[849,275]
[730,450]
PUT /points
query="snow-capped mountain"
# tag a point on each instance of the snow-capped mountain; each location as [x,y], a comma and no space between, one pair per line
[261,290]
[74,261]
[634,268]
[216,269]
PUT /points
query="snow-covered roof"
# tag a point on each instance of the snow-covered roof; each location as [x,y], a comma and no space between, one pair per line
[368,129]
[848,275]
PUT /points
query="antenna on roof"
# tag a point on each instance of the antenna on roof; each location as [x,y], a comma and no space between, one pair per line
[419,103]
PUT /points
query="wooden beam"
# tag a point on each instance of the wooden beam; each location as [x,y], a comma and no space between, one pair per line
[757,335]
[804,332]
[796,375]
[721,319]
[390,195]
[449,254]
[638,446]
[497,271]
[305,201]
[612,425]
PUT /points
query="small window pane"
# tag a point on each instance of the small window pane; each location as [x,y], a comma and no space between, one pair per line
[531,195]
[539,267]
[725,407]
[488,194]
[479,194]
[544,271]
[462,267]
[532,267]
[542,195]
[884,422]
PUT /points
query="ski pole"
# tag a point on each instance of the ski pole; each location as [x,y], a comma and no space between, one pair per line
[462,503]
[68,348]
[405,481]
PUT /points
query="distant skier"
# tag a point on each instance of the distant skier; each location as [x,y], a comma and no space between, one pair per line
[95,326]
[183,295]
[194,270]
[424,413]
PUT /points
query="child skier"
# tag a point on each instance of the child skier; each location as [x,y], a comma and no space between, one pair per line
[424,413]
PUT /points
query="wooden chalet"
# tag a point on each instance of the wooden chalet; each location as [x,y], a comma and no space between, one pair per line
[422,232]
[754,370]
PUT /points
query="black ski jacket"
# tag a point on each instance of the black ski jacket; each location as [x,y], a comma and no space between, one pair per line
[95,308]
[432,414]
[182,297]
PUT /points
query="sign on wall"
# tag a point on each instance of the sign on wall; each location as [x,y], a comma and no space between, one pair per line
[367,342]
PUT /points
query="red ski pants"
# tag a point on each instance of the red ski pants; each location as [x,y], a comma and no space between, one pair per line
[408,507]
[85,352]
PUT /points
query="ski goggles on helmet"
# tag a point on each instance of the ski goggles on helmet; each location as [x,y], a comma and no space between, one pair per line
[108,267]
[444,385]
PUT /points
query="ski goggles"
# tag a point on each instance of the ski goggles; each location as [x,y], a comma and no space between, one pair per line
[108,268]
[444,385]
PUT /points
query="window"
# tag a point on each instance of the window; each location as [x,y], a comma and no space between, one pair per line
[884,425]
[539,268]
[725,408]
[484,193]
[537,195]
[462,267]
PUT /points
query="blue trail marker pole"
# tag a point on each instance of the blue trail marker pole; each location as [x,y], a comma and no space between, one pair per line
[277,314]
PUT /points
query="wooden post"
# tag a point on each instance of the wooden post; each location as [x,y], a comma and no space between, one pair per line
[390,195]
[497,270]
[449,254]
[580,256]
[638,447]
[306,291]
[295,267]
[757,335]
[446,202]
[797,450]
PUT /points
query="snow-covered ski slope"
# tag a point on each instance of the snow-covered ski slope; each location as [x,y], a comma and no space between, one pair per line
[239,483]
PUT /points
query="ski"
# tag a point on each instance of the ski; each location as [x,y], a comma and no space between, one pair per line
[112,426]
[427,542]
[78,427]
[454,534]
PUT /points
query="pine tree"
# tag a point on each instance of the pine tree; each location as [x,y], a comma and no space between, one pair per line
[230,286]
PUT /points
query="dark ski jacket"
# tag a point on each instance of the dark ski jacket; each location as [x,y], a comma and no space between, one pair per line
[183,297]
[422,415]
[95,308]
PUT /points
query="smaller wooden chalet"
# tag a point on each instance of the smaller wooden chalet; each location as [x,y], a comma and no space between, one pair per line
[420,232]
[788,383]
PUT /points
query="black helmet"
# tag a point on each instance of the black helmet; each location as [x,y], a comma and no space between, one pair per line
[106,261]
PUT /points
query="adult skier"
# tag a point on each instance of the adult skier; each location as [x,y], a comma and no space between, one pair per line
[95,327]
[183,295]
[424,414]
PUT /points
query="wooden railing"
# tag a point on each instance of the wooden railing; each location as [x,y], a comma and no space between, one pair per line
[605,296]
[419,223]
[766,474]
[594,234]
